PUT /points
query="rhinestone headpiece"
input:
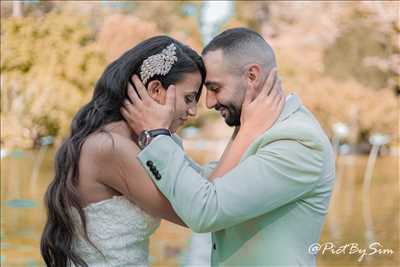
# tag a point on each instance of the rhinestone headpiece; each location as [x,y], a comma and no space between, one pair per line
[159,64]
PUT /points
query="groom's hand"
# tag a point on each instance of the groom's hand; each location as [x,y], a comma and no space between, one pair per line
[142,112]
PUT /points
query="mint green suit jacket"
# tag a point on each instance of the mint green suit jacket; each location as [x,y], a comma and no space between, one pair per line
[270,208]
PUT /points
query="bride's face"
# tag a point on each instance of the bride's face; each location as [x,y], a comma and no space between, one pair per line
[186,92]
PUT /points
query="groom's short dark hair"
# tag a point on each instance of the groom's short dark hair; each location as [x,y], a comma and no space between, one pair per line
[231,39]
[241,46]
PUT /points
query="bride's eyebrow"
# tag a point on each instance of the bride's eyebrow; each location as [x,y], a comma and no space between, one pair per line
[192,92]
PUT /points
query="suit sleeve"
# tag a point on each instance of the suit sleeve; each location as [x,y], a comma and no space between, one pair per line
[204,170]
[277,174]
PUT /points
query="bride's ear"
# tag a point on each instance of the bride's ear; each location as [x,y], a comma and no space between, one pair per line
[157,91]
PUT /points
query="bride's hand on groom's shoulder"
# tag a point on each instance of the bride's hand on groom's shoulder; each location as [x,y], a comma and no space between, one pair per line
[142,112]
[260,114]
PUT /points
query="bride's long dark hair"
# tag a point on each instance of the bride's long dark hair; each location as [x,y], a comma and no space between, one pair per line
[104,107]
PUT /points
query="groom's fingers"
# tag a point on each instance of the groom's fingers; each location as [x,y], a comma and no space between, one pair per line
[127,111]
[132,95]
[124,113]
[141,89]
[128,106]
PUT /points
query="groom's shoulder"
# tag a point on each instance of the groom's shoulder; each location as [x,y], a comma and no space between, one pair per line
[300,126]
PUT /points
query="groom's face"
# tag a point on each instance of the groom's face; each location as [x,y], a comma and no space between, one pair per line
[225,88]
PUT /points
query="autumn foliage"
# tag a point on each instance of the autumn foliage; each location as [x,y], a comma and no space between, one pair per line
[344,63]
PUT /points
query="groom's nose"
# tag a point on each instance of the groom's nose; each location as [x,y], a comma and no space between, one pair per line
[211,99]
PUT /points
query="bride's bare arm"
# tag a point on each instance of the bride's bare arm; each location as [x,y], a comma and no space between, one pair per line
[120,170]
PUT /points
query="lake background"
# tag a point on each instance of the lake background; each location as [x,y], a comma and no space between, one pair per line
[23,214]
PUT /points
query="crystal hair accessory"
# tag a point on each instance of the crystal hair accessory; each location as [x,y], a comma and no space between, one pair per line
[158,64]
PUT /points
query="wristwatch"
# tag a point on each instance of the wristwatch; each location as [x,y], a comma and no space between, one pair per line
[147,135]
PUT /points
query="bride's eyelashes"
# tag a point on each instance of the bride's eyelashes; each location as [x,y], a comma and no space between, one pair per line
[190,98]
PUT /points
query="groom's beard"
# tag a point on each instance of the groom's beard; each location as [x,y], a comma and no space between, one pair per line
[233,116]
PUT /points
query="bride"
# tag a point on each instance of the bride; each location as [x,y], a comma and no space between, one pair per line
[102,207]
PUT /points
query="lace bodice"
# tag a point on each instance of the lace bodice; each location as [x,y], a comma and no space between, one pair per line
[120,230]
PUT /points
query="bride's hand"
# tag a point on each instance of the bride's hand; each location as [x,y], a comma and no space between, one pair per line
[260,114]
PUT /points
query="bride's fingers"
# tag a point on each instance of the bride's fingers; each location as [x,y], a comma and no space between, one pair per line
[276,107]
[273,84]
[171,96]
[281,103]
[248,96]
[268,85]
[280,90]
[276,90]
[270,82]
[269,99]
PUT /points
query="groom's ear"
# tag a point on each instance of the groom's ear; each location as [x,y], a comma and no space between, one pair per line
[157,91]
[254,78]
[253,73]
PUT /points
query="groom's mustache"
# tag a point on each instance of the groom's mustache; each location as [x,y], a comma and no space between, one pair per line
[219,106]
[231,108]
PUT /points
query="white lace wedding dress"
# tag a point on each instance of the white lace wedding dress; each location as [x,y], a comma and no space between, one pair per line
[120,230]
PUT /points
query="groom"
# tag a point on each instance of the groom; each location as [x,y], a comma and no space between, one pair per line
[270,208]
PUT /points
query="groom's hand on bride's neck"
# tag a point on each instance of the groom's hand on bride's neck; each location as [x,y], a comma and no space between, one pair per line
[142,112]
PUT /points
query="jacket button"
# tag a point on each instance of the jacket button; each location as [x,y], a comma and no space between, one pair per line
[214,246]
[158,176]
[153,169]
[149,163]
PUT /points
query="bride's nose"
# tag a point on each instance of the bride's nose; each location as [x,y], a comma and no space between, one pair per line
[192,111]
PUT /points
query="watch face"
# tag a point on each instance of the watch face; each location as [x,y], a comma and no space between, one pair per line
[143,139]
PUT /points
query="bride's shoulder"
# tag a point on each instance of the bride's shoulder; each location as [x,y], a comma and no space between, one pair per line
[107,144]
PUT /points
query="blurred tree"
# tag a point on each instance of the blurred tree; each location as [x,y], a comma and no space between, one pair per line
[168,15]
[53,55]
[253,13]
[366,47]
[122,32]
[17,8]
[49,66]
[142,19]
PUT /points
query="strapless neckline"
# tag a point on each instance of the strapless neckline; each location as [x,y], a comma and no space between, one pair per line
[119,229]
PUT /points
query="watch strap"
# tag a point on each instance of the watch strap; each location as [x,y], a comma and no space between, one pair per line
[156,132]
[148,135]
